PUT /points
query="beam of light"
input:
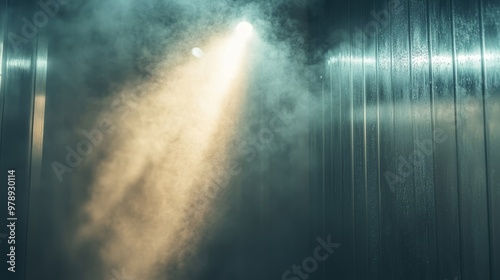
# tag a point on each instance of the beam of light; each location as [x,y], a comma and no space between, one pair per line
[229,57]
[168,147]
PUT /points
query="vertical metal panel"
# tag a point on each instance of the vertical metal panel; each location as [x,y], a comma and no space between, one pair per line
[35,242]
[371,144]
[358,144]
[445,157]
[17,124]
[39,109]
[389,253]
[418,142]
[422,161]
[317,214]
[491,63]
[470,140]
[22,117]
[347,239]
[404,188]
[336,201]
[3,36]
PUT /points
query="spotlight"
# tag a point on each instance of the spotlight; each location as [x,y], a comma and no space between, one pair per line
[197,52]
[244,28]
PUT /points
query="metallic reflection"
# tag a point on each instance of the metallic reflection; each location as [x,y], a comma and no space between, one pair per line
[432,74]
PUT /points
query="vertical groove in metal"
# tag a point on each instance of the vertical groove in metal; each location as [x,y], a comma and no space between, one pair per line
[323,143]
[393,164]
[377,273]
[39,109]
[490,15]
[41,60]
[3,37]
[486,157]
[433,120]
[351,144]
[459,194]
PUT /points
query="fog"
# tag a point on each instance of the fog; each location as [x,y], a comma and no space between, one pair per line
[147,143]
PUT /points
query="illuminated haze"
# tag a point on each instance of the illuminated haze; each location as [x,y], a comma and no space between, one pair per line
[179,122]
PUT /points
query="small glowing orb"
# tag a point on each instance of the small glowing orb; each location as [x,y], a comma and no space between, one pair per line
[244,28]
[197,52]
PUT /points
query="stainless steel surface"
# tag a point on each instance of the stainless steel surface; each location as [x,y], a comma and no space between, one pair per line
[19,138]
[39,110]
[37,153]
[3,22]
[410,210]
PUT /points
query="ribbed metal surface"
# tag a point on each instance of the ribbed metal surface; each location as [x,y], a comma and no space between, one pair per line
[409,142]
[3,23]
[21,122]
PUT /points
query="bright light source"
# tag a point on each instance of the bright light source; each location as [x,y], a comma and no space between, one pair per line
[197,52]
[244,28]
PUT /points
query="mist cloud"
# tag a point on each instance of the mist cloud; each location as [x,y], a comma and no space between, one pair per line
[136,188]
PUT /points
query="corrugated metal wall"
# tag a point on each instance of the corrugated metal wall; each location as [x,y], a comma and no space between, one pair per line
[409,142]
[23,52]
